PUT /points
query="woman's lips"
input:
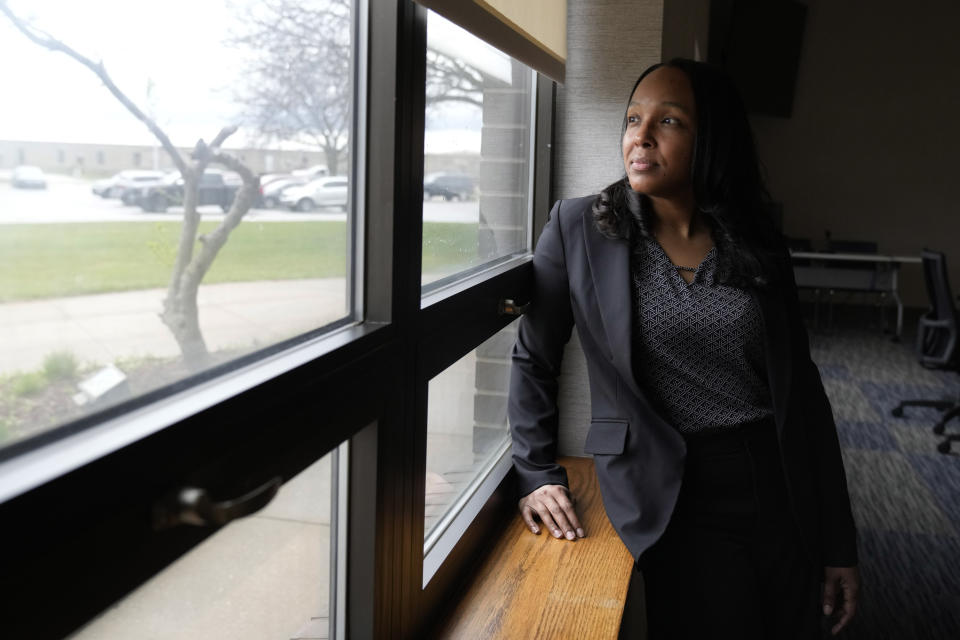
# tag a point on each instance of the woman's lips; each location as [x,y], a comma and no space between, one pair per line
[641,164]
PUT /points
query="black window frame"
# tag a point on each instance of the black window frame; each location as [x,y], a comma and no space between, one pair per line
[81,540]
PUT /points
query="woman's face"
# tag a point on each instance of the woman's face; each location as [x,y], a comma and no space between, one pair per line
[660,134]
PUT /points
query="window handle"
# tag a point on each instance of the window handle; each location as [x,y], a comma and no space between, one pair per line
[510,308]
[192,505]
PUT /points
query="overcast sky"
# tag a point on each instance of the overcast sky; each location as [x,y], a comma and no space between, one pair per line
[176,44]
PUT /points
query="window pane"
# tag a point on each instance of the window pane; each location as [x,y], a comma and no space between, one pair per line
[476,185]
[263,576]
[466,423]
[117,274]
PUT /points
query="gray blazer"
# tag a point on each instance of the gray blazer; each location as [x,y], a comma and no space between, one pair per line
[582,277]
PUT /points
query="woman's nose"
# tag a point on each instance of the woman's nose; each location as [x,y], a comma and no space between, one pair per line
[643,138]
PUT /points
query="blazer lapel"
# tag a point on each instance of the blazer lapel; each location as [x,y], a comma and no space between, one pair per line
[777,346]
[610,269]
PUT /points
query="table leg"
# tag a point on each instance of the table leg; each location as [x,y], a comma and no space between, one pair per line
[896,297]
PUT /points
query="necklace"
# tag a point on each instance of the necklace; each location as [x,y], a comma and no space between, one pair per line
[682,268]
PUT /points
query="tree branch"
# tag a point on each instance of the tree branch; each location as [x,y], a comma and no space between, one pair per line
[225,133]
[50,43]
[211,243]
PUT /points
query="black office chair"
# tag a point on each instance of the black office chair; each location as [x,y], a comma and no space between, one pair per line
[857,246]
[937,341]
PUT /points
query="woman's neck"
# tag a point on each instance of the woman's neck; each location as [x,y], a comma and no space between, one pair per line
[676,217]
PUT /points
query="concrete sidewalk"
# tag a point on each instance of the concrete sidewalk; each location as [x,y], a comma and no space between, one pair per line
[99,329]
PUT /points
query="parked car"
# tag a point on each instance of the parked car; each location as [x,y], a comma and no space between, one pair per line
[216,187]
[117,185]
[322,192]
[449,186]
[267,178]
[271,191]
[316,171]
[27,177]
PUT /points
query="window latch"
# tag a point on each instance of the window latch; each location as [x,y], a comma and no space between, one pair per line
[193,506]
[510,308]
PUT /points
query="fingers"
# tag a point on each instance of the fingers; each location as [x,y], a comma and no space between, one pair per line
[566,504]
[847,612]
[564,527]
[829,595]
[850,596]
[534,505]
[848,581]
[526,513]
[553,505]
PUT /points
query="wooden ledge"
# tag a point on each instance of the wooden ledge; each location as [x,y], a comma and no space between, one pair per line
[535,586]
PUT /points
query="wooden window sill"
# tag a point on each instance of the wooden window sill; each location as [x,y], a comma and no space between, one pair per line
[535,586]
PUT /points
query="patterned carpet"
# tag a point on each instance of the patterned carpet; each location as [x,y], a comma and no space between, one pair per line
[906,495]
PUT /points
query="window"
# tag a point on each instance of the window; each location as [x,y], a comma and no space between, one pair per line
[477,146]
[92,375]
[478,194]
[264,576]
[177,285]
[468,441]
[296,381]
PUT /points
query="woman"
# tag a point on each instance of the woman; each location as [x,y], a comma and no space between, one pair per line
[713,440]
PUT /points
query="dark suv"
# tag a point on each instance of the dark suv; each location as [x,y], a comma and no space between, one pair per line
[450,186]
[216,187]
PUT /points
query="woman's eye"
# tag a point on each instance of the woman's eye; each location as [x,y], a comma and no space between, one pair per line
[669,120]
[633,119]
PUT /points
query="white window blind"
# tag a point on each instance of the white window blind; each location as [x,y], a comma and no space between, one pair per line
[532,31]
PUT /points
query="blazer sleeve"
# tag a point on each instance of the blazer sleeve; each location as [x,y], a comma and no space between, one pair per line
[838,536]
[544,330]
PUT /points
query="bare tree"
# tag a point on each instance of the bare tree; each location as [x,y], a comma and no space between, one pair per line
[452,80]
[180,313]
[298,83]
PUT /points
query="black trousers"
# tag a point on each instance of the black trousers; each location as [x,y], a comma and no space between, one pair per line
[731,564]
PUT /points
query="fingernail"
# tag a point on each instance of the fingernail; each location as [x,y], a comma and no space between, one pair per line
[535,529]
[827,609]
[581,533]
[556,533]
[570,535]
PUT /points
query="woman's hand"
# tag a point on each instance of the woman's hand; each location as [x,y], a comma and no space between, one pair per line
[552,504]
[846,580]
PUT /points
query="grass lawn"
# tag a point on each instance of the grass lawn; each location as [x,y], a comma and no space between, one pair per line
[48,260]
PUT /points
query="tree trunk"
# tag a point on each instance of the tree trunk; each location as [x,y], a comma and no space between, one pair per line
[180,311]
[181,315]
[333,159]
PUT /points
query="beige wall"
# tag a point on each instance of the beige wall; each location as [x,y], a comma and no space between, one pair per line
[608,44]
[539,20]
[871,150]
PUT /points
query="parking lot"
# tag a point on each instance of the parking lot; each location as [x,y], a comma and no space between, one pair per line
[70,199]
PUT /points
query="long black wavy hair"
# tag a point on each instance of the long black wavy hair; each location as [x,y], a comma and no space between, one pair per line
[728,185]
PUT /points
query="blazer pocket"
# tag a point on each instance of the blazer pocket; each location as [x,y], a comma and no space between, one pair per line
[606,437]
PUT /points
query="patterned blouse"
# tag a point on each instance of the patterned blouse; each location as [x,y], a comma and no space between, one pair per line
[698,347]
